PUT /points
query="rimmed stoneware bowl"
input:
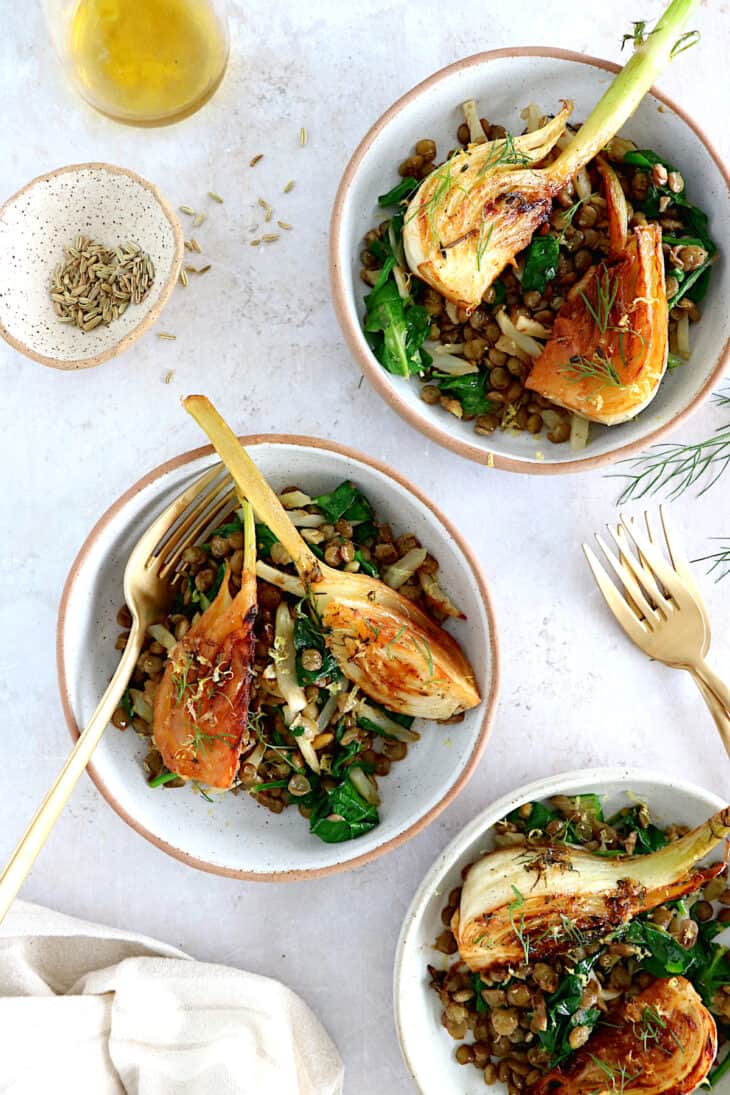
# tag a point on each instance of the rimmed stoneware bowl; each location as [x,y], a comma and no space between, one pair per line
[504,81]
[427,1049]
[235,836]
[105,203]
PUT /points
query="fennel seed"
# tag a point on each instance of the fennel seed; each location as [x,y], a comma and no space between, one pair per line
[268,214]
[284,225]
[166,336]
[264,204]
[195,246]
[187,210]
[95,284]
[204,269]
[255,243]
[183,279]
[302,136]
[168,375]
[289,186]
[255,159]
[215,197]
[198,220]
[270,237]
[188,245]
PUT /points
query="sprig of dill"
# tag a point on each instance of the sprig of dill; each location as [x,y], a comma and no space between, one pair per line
[597,367]
[618,1076]
[640,34]
[606,290]
[719,560]
[519,931]
[674,468]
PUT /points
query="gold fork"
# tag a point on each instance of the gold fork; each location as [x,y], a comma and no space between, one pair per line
[658,610]
[148,589]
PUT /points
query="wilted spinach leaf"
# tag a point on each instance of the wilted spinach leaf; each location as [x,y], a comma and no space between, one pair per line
[345,501]
[399,193]
[307,636]
[470,390]
[343,814]
[396,330]
[541,264]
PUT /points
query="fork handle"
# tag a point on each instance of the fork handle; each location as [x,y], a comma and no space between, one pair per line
[712,682]
[46,815]
[716,709]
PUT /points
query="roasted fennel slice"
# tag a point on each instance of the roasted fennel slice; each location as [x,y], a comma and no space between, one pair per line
[471,216]
[201,706]
[528,901]
[382,641]
[662,1041]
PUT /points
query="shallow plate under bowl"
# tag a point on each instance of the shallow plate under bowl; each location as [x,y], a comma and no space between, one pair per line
[427,1049]
[503,82]
[234,835]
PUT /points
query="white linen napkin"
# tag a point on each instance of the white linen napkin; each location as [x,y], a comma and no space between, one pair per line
[98,1011]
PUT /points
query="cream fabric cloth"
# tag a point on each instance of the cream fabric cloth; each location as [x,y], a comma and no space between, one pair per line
[90,1010]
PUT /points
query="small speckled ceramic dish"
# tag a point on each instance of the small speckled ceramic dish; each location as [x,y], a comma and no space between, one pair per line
[108,204]
[427,1049]
[504,81]
[233,835]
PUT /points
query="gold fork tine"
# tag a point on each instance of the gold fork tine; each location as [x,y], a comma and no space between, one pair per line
[628,620]
[179,530]
[634,594]
[204,516]
[643,576]
[654,561]
[200,532]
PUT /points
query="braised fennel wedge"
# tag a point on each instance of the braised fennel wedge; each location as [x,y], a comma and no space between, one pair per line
[471,216]
[381,641]
[516,901]
[662,1040]
[200,724]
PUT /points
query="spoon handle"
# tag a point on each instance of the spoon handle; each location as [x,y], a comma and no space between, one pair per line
[251,483]
[45,817]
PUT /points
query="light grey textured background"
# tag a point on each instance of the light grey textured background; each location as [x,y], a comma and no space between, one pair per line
[258,335]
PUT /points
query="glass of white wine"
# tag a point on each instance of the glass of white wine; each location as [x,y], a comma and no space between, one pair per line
[143,62]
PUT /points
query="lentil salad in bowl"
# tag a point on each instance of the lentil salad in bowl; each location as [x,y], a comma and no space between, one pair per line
[579,1000]
[471,364]
[364,754]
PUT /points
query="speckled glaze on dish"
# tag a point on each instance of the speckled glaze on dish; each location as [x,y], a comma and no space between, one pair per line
[504,81]
[108,204]
[427,1049]
[233,836]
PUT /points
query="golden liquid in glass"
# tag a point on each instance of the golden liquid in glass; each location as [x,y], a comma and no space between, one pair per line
[147,62]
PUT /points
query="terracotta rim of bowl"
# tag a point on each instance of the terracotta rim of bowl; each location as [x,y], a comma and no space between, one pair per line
[489,700]
[167,286]
[350,325]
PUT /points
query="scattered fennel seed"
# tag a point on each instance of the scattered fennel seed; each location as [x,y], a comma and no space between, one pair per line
[268,214]
[270,237]
[195,246]
[215,197]
[187,210]
[284,225]
[183,279]
[188,245]
[190,269]
[289,186]
[204,269]
[168,376]
[255,159]
[198,220]
[490,459]
[264,204]
[302,136]
[255,243]
[166,336]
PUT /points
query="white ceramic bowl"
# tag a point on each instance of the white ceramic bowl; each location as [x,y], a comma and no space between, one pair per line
[427,1049]
[503,82]
[235,836]
[108,204]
